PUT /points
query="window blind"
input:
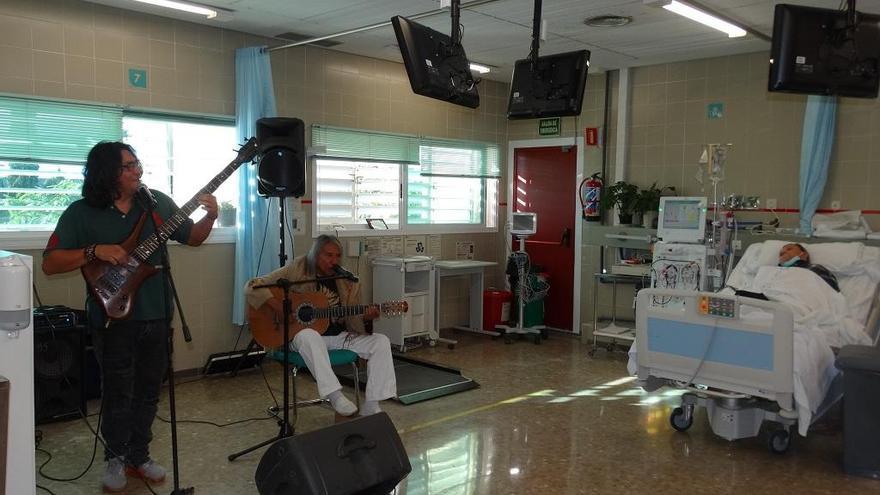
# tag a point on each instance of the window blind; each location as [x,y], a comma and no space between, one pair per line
[337,142]
[456,158]
[47,131]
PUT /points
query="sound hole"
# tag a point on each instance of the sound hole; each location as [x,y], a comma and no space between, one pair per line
[305,313]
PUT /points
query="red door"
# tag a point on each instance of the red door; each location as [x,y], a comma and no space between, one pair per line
[545,183]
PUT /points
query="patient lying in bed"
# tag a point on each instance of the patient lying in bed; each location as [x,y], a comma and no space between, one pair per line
[794,255]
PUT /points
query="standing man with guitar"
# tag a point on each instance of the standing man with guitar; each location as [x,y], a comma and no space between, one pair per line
[346,332]
[132,351]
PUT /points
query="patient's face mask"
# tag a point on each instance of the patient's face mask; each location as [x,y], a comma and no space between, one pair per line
[790,262]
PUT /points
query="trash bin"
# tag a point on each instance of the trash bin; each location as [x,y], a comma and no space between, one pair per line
[861,409]
[496,308]
[533,311]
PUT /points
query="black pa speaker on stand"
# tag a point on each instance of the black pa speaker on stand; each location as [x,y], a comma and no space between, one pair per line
[282,163]
[363,456]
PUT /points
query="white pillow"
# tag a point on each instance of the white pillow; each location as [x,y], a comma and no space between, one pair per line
[839,257]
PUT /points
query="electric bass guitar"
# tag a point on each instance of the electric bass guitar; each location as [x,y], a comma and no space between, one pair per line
[114,286]
[309,310]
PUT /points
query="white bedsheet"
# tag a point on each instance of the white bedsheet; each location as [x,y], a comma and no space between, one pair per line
[822,319]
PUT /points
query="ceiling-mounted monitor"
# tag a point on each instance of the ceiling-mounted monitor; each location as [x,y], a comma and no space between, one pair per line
[436,67]
[825,52]
[553,86]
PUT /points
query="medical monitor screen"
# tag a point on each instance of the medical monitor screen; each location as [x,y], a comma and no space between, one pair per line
[823,52]
[523,223]
[682,219]
[435,67]
[552,87]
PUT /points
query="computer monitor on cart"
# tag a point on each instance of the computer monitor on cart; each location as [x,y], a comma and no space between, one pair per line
[682,219]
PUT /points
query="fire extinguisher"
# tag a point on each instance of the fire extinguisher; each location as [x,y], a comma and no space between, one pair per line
[590,192]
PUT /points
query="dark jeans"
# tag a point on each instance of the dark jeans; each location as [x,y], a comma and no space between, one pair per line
[134,359]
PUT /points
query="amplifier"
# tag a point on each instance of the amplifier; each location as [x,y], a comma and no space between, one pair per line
[57,317]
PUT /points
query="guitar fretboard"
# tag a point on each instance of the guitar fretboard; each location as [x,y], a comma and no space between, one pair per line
[341,311]
[152,243]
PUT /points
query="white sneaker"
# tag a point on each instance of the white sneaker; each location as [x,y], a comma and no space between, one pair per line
[150,470]
[114,479]
[343,406]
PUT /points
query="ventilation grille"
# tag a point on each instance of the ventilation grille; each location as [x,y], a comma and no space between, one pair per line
[608,20]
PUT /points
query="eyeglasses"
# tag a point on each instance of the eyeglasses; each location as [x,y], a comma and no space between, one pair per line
[128,166]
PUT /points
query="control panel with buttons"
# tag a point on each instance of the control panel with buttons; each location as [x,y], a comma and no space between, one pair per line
[718,306]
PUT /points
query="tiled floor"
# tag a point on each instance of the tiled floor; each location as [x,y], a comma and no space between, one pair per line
[547,420]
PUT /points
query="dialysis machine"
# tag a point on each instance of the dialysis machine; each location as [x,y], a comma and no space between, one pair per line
[681,258]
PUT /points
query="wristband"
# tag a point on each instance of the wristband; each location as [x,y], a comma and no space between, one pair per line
[90,252]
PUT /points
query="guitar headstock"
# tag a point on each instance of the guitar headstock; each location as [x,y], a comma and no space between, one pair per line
[394,308]
[248,151]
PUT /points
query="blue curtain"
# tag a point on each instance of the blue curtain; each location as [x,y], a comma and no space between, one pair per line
[817,142]
[256,239]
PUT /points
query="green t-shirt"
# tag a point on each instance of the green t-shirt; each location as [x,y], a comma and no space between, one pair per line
[82,225]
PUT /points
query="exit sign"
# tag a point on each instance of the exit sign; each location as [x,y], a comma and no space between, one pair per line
[548,127]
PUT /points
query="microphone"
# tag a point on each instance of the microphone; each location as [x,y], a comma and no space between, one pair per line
[345,273]
[146,195]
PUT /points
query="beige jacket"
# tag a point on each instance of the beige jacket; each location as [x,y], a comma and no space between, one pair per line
[349,292]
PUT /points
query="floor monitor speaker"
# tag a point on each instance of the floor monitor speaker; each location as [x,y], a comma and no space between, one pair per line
[362,456]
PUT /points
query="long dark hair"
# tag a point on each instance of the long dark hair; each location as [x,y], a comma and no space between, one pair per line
[101,173]
[312,256]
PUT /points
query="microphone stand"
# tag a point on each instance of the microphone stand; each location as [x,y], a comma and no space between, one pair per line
[168,282]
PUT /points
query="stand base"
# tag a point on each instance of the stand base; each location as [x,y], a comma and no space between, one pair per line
[508,331]
[183,491]
[284,433]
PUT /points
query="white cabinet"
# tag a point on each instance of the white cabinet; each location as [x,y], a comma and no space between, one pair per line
[409,279]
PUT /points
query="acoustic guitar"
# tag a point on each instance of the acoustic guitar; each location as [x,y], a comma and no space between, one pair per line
[114,286]
[309,310]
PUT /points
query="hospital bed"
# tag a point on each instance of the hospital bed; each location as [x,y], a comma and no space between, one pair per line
[740,357]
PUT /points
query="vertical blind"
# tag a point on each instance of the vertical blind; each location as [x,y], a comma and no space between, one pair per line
[44,131]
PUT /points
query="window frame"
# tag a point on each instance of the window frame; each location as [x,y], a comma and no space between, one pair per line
[404,227]
[37,239]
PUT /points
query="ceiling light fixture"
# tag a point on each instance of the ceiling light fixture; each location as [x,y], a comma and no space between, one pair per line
[482,69]
[711,20]
[186,7]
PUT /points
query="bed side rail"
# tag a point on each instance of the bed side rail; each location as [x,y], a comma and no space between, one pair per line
[751,355]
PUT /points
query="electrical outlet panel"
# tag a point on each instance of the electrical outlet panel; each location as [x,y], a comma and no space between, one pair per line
[354,249]
[771,203]
[737,245]
[299,222]
[835,205]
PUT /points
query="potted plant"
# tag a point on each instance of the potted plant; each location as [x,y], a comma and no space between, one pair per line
[624,196]
[226,214]
[649,203]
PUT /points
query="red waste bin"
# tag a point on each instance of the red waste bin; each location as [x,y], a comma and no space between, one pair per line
[496,308]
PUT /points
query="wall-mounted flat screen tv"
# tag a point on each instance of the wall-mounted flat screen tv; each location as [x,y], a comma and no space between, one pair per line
[551,87]
[817,51]
[436,68]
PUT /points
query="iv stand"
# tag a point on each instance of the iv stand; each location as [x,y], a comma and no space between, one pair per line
[508,330]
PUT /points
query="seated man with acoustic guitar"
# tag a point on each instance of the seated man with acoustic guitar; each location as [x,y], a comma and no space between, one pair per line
[342,332]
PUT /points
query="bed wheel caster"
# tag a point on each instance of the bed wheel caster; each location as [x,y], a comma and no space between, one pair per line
[537,338]
[450,346]
[508,340]
[779,441]
[678,420]
[432,342]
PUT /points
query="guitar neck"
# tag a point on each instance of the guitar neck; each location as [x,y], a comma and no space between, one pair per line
[169,226]
[341,311]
